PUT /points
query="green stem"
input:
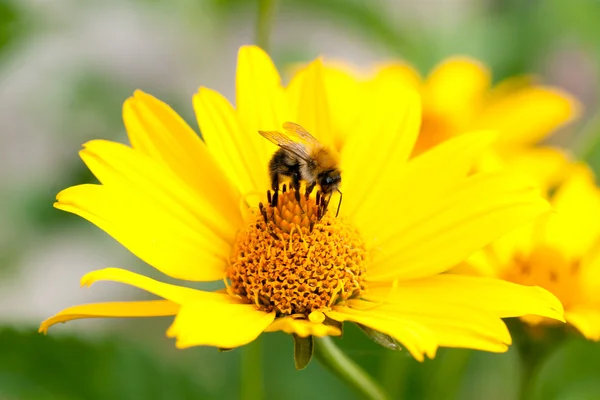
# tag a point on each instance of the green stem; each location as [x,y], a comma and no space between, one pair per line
[252,372]
[332,358]
[266,14]
[394,370]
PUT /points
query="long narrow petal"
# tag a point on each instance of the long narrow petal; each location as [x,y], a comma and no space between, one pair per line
[373,157]
[454,325]
[302,327]
[130,171]
[442,232]
[309,104]
[504,299]
[528,115]
[174,246]
[218,324]
[586,320]
[160,133]
[344,96]
[174,293]
[444,166]
[242,153]
[260,99]
[416,338]
[117,309]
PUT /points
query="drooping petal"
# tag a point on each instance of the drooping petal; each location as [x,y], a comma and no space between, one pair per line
[443,166]
[260,99]
[130,171]
[302,327]
[504,299]
[175,246]
[157,131]
[117,309]
[586,320]
[441,232]
[242,153]
[373,157]
[174,293]
[218,324]
[416,338]
[453,325]
[527,115]
[309,104]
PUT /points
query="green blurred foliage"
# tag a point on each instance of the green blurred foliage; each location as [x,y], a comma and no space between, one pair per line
[35,366]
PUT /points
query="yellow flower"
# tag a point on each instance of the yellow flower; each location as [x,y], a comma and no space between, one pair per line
[196,210]
[559,252]
[458,98]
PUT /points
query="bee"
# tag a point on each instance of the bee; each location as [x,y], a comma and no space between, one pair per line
[301,157]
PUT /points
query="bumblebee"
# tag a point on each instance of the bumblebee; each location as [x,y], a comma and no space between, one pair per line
[301,157]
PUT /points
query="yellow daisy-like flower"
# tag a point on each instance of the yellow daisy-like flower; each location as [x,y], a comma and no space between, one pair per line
[457,97]
[559,252]
[196,210]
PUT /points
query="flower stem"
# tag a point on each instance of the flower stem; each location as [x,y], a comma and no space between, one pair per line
[252,372]
[332,358]
[266,14]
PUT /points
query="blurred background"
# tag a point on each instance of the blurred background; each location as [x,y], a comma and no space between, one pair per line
[66,67]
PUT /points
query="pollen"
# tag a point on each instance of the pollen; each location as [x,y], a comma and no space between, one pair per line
[295,258]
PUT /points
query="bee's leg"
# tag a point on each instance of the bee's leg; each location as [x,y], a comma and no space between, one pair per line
[309,189]
[275,187]
[296,186]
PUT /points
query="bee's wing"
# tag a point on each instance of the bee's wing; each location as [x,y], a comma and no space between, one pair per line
[296,130]
[286,143]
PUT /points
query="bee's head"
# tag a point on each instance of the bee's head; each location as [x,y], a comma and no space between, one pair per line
[329,180]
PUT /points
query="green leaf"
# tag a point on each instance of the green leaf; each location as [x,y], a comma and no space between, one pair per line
[35,366]
[303,351]
[380,338]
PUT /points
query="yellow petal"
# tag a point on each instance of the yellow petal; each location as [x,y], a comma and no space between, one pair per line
[309,105]
[442,232]
[174,293]
[527,115]
[117,309]
[546,165]
[130,171]
[175,246]
[155,130]
[504,299]
[243,154]
[302,327]
[575,226]
[403,73]
[586,320]
[344,96]
[453,325]
[416,338]
[444,166]
[260,100]
[373,157]
[454,91]
[214,323]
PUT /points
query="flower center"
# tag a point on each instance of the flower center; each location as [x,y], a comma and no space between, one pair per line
[549,269]
[295,258]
